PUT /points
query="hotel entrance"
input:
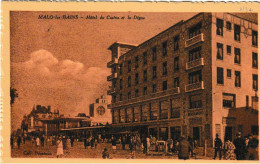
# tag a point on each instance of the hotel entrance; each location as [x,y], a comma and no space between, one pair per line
[228,133]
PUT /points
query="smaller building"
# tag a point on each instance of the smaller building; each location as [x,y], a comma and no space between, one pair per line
[99,113]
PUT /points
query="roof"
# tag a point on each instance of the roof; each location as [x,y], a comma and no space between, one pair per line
[252,17]
[121,43]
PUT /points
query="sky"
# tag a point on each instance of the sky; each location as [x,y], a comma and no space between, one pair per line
[63,62]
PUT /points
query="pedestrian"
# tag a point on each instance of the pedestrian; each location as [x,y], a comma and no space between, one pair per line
[19,140]
[144,144]
[59,147]
[64,142]
[218,147]
[24,138]
[72,141]
[85,142]
[68,142]
[105,154]
[184,147]
[113,141]
[190,140]
[252,148]
[38,142]
[240,145]
[123,142]
[169,144]
[92,142]
[195,148]
[229,150]
[42,140]
[148,144]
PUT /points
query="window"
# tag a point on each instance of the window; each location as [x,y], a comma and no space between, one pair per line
[254,60]
[129,81]
[237,55]
[137,114]
[120,69]
[195,77]
[175,108]
[129,95]
[129,65]
[220,77]
[136,93]
[220,27]
[129,115]
[228,49]
[114,98]
[228,25]
[176,41]
[255,82]
[144,58]
[122,114]
[255,129]
[154,88]
[176,82]
[237,32]
[164,107]
[121,84]
[195,101]
[195,54]
[154,110]
[120,97]
[237,79]
[136,78]
[114,83]
[194,31]
[154,53]
[136,62]
[145,112]
[229,73]
[164,48]
[254,38]
[228,100]
[145,90]
[164,68]
[145,75]
[176,64]
[220,51]
[164,85]
[154,72]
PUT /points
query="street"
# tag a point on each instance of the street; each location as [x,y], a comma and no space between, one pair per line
[78,151]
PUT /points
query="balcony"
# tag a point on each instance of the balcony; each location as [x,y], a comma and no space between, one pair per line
[194,86]
[194,63]
[194,40]
[113,62]
[111,90]
[113,76]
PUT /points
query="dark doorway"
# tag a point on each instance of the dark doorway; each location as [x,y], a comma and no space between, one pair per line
[153,132]
[228,133]
[196,134]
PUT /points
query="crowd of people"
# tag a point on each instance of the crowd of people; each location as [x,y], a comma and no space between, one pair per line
[241,148]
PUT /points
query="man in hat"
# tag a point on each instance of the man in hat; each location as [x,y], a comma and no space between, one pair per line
[252,148]
[184,147]
[218,147]
[240,145]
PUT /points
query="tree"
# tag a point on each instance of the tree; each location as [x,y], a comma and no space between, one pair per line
[13,94]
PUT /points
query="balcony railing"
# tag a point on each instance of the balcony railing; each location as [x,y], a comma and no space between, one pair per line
[173,91]
[195,63]
[112,62]
[113,76]
[194,40]
[194,86]
[111,90]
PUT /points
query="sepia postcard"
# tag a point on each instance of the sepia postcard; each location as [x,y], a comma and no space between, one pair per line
[129,82]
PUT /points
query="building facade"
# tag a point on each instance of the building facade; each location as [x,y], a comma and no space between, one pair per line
[99,113]
[196,78]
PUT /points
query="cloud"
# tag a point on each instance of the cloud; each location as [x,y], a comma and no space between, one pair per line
[69,86]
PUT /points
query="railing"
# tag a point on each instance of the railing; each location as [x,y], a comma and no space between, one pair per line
[112,62]
[113,76]
[194,63]
[142,98]
[194,86]
[194,40]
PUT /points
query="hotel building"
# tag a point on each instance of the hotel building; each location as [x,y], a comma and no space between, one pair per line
[197,78]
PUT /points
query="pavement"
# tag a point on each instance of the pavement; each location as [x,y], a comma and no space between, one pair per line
[28,150]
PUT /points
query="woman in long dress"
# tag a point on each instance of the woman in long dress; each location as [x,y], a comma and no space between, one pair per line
[229,150]
[59,148]
[38,143]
